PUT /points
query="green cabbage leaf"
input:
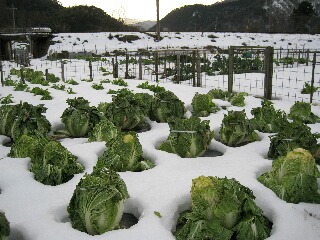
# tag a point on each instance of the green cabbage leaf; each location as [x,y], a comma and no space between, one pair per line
[188,138]
[236,129]
[223,209]
[293,177]
[124,153]
[98,201]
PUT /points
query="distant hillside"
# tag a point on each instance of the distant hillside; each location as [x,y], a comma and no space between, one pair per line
[292,16]
[141,25]
[245,16]
[50,13]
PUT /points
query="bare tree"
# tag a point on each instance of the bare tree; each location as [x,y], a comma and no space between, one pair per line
[120,14]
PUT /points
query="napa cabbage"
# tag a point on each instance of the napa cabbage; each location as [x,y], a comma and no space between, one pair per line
[51,163]
[236,129]
[105,130]
[23,118]
[188,137]
[124,153]
[301,111]
[223,209]
[294,135]
[293,177]
[267,119]
[79,118]
[166,104]
[125,111]
[97,202]
[202,105]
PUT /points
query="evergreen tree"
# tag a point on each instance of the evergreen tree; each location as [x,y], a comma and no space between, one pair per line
[301,16]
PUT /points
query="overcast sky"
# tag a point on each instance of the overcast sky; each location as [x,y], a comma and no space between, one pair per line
[136,9]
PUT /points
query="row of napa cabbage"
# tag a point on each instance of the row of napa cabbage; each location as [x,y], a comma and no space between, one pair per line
[221,208]
[53,164]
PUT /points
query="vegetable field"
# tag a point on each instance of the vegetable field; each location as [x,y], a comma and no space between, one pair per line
[86,155]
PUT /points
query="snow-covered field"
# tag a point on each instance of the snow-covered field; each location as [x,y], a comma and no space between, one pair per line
[38,212]
[102,42]
[287,82]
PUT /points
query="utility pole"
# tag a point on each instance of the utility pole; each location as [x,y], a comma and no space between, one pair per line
[158,22]
[13,17]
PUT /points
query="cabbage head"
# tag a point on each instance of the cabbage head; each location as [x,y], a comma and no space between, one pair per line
[202,105]
[124,111]
[51,163]
[301,111]
[293,135]
[23,118]
[79,118]
[293,177]
[103,131]
[222,208]
[144,101]
[219,94]
[166,104]
[4,227]
[124,153]
[267,119]
[236,129]
[57,165]
[188,137]
[237,99]
[98,201]
[8,114]
[31,146]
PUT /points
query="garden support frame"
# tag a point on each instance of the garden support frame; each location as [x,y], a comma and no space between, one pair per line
[268,65]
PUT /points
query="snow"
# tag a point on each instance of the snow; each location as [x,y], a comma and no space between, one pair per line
[100,42]
[38,212]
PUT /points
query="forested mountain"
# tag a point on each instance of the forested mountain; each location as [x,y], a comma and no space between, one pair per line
[229,15]
[50,13]
[246,16]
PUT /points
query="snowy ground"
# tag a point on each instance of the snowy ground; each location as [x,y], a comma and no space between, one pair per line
[287,82]
[38,212]
[100,42]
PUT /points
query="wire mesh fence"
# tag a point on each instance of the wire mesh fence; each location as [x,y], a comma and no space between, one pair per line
[294,72]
